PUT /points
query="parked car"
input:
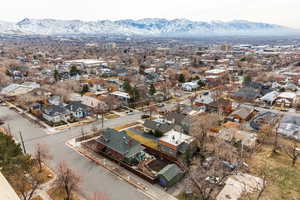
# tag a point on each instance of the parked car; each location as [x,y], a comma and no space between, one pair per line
[213,180]
[145,116]
[160,105]
[130,112]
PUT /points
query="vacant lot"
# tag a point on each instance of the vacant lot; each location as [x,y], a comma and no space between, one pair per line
[283,180]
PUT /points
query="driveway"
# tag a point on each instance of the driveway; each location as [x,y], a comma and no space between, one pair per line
[94,177]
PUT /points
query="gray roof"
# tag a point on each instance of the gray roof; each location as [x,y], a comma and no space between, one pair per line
[120,142]
[75,106]
[170,171]
[243,112]
[178,117]
[247,93]
[54,110]
[290,126]
[162,127]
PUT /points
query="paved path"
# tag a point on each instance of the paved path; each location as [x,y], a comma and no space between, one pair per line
[95,178]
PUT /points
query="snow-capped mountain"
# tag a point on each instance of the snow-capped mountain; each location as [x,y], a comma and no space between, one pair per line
[143,27]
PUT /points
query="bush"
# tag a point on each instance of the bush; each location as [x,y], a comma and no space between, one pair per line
[158,133]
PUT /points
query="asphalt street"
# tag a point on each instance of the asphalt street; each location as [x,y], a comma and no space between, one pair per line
[94,177]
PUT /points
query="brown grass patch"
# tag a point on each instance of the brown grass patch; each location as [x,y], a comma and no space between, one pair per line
[59,194]
[37,198]
[283,180]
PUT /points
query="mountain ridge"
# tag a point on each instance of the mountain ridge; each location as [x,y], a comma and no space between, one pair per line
[143,27]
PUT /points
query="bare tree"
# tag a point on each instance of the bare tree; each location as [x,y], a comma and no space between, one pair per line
[152,109]
[112,102]
[101,109]
[67,179]
[192,98]
[293,152]
[42,154]
[4,79]
[207,182]
[201,125]
[270,134]
[26,184]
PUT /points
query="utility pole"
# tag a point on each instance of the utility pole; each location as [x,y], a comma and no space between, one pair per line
[22,141]
[8,130]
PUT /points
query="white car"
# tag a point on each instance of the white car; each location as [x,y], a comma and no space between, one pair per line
[130,112]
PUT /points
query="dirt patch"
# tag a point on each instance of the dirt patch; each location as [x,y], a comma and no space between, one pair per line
[157,165]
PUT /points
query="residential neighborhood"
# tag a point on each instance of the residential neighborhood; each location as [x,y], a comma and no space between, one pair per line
[149,118]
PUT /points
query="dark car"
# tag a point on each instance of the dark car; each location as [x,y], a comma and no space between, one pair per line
[145,116]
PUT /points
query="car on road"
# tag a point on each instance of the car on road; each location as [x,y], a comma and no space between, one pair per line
[160,105]
[145,116]
[1,122]
[283,110]
[130,112]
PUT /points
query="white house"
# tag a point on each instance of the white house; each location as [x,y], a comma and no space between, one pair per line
[190,86]
[122,96]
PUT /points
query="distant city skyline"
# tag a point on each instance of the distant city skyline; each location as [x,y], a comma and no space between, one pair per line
[281,12]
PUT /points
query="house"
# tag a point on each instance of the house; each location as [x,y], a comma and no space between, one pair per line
[289,126]
[190,86]
[246,94]
[170,175]
[119,146]
[55,114]
[160,125]
[246,139]
[291,87]
[216,77]
[286,99]
[270,97]
[122,96]
[92,102]
[263,118]
[239,184]
[55,100]
[241,114]
[174,143]
[204,100]
[261,88]
[19,89]
[220,105]
[77,109]
[182,122]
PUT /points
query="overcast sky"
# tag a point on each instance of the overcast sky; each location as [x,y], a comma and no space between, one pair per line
[282,12]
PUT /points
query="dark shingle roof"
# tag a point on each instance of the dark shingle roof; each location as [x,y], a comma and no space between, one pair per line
[247,93]
[75,106]
[162,127]
[170,172]
[54,110]
[120,142]
[178,117]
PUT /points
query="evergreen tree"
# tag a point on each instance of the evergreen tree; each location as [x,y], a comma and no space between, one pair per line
[152,90]
[201,83]
[181,78]
[56,75]
[85,89]
[247,79]
[127,87]
[73,70]
[135,94]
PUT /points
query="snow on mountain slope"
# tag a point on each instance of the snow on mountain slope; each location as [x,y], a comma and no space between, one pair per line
[143,27]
